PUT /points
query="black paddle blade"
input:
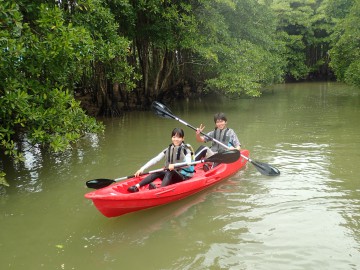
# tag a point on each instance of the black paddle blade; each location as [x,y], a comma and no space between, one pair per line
[161,110]
[265,168]
[99,183]
[229,156]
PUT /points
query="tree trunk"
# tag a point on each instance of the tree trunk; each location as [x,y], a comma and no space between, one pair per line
[107,94]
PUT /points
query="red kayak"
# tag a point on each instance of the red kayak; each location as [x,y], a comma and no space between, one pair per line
[114,200]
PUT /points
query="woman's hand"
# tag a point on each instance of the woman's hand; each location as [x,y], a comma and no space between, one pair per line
[138,172]
[171,167]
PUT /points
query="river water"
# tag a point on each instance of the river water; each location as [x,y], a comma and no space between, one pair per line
[306,218]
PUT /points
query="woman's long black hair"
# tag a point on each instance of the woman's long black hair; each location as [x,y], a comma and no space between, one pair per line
[178,131]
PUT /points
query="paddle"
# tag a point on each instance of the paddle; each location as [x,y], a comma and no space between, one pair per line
[263,168]
[225,157]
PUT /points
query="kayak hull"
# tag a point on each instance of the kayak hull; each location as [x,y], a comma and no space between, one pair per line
[115,200]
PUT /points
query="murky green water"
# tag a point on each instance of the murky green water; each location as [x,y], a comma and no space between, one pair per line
[307,218]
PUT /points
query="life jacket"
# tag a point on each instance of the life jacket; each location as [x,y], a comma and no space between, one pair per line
[176,154]
[222,136]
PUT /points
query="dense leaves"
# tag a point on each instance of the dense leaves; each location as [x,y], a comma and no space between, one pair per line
[345,53]
[40,62]
[123,54]
[243,54]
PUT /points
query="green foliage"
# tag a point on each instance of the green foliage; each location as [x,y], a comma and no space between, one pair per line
[110,49]
[247,69]
[62,50]
[345,54]
[295,55]
[239,46]
[3,180]
[39,65]
[352,74]
[293,29]
[337,9]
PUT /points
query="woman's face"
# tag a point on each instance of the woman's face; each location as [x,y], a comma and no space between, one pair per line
[177,140]
[220,124]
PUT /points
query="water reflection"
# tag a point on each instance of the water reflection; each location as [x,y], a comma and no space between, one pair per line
[39,165]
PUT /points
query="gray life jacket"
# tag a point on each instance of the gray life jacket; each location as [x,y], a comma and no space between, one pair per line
[222,136]
[176,154]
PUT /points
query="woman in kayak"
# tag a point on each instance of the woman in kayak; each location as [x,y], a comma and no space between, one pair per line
[176,152]
[221,133]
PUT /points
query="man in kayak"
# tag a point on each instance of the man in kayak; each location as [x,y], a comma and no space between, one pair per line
[176,152]
[221,133]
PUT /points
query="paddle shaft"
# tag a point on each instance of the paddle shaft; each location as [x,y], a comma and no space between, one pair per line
[228,157]
[177,165]
[102,182]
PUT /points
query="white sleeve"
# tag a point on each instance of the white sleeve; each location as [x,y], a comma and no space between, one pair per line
[153,161]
